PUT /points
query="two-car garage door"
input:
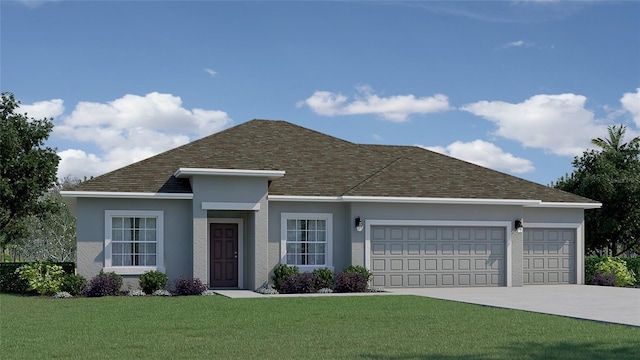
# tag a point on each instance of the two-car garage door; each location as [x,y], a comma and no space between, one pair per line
[432,256]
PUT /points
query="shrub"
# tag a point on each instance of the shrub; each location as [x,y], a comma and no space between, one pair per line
[350,282]
[603,279]
[188,286]
[73,284]
[161,293]
[104,284]
[10,281]
[590,263]
[46,279]
[633,264]
[136,293]
[62,295]
[281,272]
[324,278]
[358,269]
[618,268]
[154,280]
[298,284]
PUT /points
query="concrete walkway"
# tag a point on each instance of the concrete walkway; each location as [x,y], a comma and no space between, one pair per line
[599,303]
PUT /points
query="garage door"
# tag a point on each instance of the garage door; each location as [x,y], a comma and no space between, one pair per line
[417,256]
[549,256]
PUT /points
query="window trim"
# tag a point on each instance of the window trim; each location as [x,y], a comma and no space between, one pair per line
[328,217]
[133,270]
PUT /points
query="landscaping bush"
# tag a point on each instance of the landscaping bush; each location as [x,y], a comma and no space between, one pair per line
[104,284]
[618,268]
[350,282]
[73,284]
[153,280]
[298,284]
[10,281]
[358,269]
[281,272]
[45,279]
[590,263]
[324,278]
[188,286]
[603,279]
[633,264]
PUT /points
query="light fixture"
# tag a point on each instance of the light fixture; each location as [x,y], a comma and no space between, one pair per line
[518,225]
[359,224]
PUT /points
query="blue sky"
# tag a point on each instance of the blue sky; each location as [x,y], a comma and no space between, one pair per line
[517,86]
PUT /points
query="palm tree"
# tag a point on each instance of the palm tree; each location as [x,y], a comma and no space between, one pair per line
[613,143]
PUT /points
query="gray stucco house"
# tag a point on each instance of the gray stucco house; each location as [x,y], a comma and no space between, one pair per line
[230,207]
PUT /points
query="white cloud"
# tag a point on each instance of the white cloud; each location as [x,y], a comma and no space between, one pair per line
[396,108]
[210,72]
[485,154]
[377,137]
[519,43]
[43,109]
[631,103]
[130,129]
[557,123]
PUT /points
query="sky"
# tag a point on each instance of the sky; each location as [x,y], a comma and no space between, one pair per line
[517,86]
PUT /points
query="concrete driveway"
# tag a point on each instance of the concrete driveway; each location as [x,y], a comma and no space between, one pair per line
[600,303]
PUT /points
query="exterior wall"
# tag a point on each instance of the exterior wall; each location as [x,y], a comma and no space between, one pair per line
[341,229]
[231,189]
[177,234]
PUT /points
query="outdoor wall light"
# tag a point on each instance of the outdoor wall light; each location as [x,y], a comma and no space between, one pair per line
[518,225]
[359,224]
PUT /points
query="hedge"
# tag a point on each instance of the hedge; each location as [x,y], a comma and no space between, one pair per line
[11,283]
[590,262]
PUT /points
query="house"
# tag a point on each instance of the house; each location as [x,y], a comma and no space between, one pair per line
[230,207]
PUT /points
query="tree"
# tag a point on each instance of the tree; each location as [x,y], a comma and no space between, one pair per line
[27,169]
[611,176]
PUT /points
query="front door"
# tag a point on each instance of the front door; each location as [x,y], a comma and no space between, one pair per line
[223,270]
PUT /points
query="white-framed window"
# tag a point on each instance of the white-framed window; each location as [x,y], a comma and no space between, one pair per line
[134,241]
[307,240]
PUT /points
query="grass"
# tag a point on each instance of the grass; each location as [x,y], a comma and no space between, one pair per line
[372,327]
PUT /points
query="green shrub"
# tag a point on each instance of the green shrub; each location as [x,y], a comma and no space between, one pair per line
[153,280]
[73,284]
[323,278]
[45,279]
[633,264]
[618,268]
[281,272]
[10,281]
[358,269]
[590,263]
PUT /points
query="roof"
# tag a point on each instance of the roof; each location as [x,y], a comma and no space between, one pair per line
[317,164]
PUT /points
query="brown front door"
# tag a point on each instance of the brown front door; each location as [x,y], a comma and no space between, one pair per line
[223,271]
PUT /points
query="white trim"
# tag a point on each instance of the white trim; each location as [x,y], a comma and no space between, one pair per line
[304,198]
[270,174]
[579,243]
[240,223]
[133,270]
[503,224]
[567,205]
[230,206]
[126,195]
[328,217]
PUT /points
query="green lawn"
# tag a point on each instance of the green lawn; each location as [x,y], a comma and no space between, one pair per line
[372,327]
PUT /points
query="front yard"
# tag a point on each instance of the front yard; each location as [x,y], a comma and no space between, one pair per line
[371,327]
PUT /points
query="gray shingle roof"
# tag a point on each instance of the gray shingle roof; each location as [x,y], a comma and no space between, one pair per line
[321,165]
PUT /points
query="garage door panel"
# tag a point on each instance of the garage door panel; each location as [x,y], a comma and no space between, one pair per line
[549,256]
[437,256]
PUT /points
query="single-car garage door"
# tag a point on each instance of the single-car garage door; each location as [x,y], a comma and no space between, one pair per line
[549,256]
[426,256]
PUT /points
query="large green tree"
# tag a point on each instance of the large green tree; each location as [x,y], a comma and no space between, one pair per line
[610,175]
[27,169]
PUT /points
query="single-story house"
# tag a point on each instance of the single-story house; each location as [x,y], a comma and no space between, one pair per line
[230,207]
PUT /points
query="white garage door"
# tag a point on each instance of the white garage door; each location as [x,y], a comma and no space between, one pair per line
[549,256]
[426,256]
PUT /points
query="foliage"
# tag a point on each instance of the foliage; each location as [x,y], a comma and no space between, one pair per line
[154,280]
[618,268]
[267,289]
[10,281]
[603,279]
[612,177]
[161,293]
[74,284]
[298,284]
[590,263]
[633,264]
[44,278]
[281,272]
[347,282]
[136,293]
[358,269]
[188,286]
[324,278]
[62,295]
[104,284]
[27,168]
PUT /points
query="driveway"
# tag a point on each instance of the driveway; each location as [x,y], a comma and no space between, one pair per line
[600,303]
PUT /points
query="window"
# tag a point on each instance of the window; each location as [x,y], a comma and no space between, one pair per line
[307,240]
[133,241]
